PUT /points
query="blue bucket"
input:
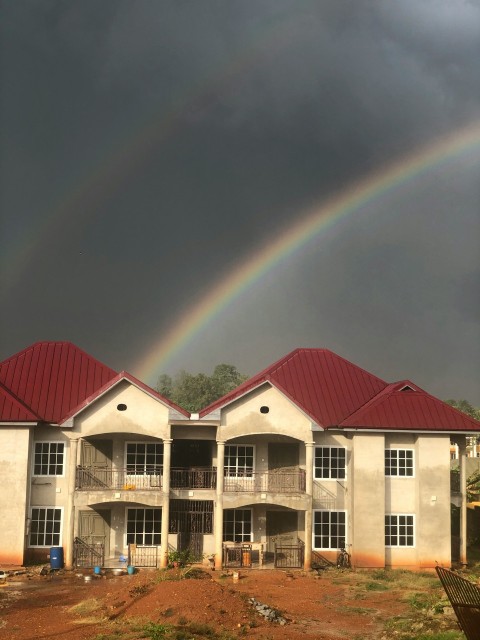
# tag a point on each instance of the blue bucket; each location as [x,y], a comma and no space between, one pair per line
[56,557]
[130,570]
[97,570]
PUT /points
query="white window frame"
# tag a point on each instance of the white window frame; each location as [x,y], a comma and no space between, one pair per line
[239,473]
[397,534]
[49,442]
[404,466]
[144,509]
[60,533]
[340,537]
[317,470]
[138,471]
[244,540]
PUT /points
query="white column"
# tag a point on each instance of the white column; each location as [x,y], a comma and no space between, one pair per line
[462,454]
[307,563]
[167,457]
[219,505]
[69,528]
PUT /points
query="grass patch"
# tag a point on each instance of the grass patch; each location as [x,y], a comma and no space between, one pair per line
[86,607]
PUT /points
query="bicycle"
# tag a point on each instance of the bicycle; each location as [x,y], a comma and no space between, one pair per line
[343,559]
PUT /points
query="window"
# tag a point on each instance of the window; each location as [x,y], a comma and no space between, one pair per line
[48,459]
[237,525]
[329,529]
[399,530]
[239,460]
[330,463]
[144,457]
[399,462]
[144,526]
[45,526]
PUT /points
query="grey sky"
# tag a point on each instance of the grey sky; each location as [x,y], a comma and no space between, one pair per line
[150,147]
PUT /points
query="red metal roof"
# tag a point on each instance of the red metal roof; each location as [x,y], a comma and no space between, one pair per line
[403,405]
[324,385]
[51,378]
[12,410]
[335,392]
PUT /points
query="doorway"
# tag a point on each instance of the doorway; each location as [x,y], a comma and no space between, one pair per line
[281,529]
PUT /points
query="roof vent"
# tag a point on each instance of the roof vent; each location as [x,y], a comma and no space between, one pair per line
[407,388]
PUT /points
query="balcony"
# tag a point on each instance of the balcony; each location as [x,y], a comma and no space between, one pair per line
[266,482]
[193,478]
[100,479]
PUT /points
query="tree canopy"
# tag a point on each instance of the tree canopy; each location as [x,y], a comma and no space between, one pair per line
[195,391]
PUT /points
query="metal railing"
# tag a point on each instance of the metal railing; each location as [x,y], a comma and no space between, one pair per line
[88,555]
[289,556]
[266,482]
[193,478]
[143,555]
[93,478]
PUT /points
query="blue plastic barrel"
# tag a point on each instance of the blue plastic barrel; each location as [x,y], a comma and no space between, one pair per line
[56,557]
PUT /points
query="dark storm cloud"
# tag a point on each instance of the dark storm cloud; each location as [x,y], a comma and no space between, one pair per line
[249,112]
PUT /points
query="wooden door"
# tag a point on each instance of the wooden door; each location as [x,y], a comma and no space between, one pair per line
[94,528]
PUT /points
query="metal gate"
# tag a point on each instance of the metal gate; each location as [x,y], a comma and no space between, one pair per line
[289,556]
[140,555]
[190,519]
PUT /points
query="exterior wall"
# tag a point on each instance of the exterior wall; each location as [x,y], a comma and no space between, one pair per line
[367,500]
[144,415]
[433,501]
[243,417]
[14,465]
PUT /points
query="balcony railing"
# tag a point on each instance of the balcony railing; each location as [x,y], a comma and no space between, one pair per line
[193,478]
[98,479]
[266,482]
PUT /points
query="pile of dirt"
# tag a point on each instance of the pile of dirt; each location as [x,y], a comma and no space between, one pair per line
[329,606]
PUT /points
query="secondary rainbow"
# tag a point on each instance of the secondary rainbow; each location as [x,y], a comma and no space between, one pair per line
[312,223]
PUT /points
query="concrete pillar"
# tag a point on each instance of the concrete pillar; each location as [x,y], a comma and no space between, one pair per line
[167,458]
[69,528]
[309,449]
[462,455]
[218,522]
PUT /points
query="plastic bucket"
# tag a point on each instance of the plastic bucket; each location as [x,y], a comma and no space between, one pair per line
[56,557]
[97,570]
[130,570]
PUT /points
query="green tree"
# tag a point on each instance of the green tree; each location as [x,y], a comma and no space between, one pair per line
[195,391]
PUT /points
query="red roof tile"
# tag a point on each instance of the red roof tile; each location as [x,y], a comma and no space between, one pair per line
[324,385]
[52,378]
[403,405]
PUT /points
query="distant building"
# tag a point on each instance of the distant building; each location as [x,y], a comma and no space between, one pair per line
[310,455]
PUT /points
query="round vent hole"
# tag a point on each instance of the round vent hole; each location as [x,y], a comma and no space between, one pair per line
[264,409]
[121,407]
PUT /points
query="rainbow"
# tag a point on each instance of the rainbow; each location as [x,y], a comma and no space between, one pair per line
[314,222]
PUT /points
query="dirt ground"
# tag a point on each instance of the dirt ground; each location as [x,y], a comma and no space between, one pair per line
[325,606]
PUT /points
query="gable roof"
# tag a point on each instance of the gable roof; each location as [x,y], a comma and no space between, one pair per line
[403,405]
[324,385]
[50,379]
[124,375]
[336,393]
